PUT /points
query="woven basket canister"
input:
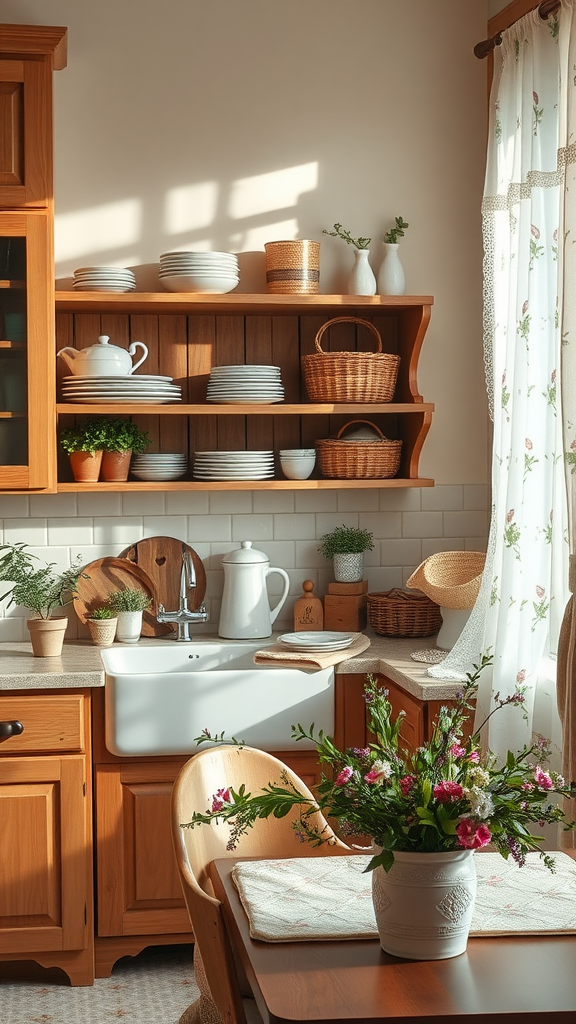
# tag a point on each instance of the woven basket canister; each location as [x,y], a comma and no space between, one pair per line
[350,376]
[339,459]
[293,267]
[396,613]
[451,578]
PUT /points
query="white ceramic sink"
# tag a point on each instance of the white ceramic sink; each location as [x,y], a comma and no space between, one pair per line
[159,698]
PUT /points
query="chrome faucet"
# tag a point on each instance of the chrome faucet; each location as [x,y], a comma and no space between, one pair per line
[183,618]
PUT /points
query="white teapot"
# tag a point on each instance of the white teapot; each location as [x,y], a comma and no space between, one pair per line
[102,359]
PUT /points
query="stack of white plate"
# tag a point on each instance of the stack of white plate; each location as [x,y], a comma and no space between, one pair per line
[211,272]
[103,279]
[261,385]
[131,388]
[233,466]
[320,641]
[162,466]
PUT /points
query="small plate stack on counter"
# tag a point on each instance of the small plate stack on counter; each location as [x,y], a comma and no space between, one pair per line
[103,279]
[161,466]
[323,640]
[143,388]
[233,466]
[259,385]
[211,273]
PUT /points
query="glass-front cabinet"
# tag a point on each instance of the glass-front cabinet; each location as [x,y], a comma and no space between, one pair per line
[27,375]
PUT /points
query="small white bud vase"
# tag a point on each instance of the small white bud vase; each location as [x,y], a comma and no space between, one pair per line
[361,280]
[391,280]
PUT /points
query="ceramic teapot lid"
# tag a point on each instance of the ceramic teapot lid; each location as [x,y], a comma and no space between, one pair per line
[244,555]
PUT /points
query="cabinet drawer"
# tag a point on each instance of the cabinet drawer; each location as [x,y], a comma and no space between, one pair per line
[54,722]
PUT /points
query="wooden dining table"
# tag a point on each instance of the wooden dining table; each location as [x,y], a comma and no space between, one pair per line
[513,979]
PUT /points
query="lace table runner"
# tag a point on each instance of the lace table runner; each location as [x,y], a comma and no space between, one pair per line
[308,898]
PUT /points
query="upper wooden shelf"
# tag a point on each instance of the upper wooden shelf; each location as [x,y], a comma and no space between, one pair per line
[238,302]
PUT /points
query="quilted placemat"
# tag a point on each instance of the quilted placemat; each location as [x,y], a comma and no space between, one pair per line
[307,898]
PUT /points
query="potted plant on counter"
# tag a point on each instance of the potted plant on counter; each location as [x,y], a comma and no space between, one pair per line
[42,590]
[122,438]
[84,444]
[129,604]
[102,625]
[346,545]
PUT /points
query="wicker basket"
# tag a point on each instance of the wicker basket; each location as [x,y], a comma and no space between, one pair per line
[396,613]
[350,376]
[451,578]
[293,267]
[358,460]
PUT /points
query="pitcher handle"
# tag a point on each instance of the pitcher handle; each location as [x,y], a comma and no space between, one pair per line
[274,611]
[132,350]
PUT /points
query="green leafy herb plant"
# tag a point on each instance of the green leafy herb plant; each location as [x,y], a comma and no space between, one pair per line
[129,599]
[87,436]
[340,232]
[31,585]
[102,613]
[392,236]
[346,540]
[122,435]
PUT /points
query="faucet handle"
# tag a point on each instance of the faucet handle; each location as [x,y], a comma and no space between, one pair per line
[161,609]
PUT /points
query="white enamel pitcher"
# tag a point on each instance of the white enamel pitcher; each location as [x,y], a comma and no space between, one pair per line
[246,613]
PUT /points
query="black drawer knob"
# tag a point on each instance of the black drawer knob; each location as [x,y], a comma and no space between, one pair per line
[8,729]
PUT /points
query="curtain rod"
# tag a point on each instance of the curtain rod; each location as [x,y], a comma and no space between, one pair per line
[545,9]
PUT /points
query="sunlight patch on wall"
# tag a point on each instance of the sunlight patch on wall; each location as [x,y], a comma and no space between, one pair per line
[253,239]
[190,207]
[276,190]
[99,229]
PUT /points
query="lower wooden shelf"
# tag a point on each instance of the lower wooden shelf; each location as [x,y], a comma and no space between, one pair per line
[246,485]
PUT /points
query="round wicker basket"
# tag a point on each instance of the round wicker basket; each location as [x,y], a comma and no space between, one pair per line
[339,459]
[450,578]
[396,613]
[293,267]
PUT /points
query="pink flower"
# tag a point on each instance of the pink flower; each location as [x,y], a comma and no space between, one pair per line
[344,776]
[456,750]
[540,591]
[222,797]
[406,784]
[510,516]
[542,778]
[528,444]
[535,97]
[521,676]
[534,231]
[474,757]
[447,792]
[471,835]
[524,307]
[527,786]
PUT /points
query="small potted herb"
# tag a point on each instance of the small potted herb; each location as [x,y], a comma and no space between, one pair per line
[129,604]
[122,438]
[42,590]
[361,280]
[84,444]
[391,278]
[346,545]
[102,624]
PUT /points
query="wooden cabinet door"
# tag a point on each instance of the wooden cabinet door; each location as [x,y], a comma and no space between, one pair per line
[45,855]
[27,371]
[138,886]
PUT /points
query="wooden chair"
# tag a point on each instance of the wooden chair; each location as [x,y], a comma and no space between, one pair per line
[223,997]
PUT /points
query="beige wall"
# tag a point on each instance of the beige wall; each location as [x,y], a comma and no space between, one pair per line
[227,123]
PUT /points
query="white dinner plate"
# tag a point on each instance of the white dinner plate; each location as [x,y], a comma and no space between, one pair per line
[319,640]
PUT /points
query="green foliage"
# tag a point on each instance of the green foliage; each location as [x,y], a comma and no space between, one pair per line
[396,232]
[102,613]
[123,435]
[340,232]
[104,434]
[39,589]
[346,540]
[87,436]
[130,599]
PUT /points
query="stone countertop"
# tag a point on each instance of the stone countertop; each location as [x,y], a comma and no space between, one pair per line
[80,666]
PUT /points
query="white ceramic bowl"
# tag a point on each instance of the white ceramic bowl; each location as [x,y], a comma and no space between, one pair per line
[190,283]
[299,468]
[297,453]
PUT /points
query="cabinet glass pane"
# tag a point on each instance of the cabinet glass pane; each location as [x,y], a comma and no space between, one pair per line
[13,352]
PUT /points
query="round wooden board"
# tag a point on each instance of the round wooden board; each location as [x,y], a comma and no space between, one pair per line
[106,575]
[161,560]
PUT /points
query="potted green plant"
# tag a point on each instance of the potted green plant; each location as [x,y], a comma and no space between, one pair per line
[102,625]
[361,280]
[42,590]
[129,604]
[346,545]
[121,439]
[84,444]
[391,279]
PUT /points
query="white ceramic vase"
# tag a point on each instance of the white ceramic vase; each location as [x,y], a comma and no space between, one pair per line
[129,627]
[424,904]
[391,280]
[349,568]
[361,280]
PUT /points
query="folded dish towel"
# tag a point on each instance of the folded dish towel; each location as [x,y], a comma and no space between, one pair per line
[277,654]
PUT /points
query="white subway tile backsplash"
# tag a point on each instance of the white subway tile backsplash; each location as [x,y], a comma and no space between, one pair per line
[384,578]
[273,501]
[54,505]
[280,552]
[358,501]
[400,500]
[118,532]
[475,496]
[422,524]
[26,531]
[209,528]
[326,522]
[230,501]
[432,545]
[94,552]
[442,498]
[308,556]
[400,552]
[93,504]
[475,543]
[295,527]
[254,528]
[143,503]
[187,503]
[381,524]
[70,531]
[165,526]
[464,524]
[13,631]
[315,501]
[14,505]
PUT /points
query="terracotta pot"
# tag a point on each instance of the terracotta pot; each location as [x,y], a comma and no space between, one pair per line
[102,631]
[47,636]
[115,466]
[86,466]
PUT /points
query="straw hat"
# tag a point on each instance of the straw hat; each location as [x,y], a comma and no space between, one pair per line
[451,578]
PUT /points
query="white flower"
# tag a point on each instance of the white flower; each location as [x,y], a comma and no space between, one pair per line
[479,776]
[480,801]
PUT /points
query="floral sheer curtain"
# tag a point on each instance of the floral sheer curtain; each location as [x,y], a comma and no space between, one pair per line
[530,343]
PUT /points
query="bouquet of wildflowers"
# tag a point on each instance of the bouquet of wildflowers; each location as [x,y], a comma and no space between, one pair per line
[447,795]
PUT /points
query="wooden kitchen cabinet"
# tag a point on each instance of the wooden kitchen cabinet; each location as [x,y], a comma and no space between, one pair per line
[46,886]
[188,334]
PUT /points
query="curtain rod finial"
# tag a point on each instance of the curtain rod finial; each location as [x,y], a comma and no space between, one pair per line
[482,49]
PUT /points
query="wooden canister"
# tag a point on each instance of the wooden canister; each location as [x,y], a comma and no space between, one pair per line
[308,610]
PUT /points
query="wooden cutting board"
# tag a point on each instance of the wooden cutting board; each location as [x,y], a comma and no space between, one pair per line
[102,577]
[161,560]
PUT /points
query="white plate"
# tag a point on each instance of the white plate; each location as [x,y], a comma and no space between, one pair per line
[116,378]
[128,400]
[245,368]
[316,639]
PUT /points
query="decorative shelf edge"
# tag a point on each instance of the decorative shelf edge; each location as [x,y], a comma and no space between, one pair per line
[178,302]
[244,409]
[248,485]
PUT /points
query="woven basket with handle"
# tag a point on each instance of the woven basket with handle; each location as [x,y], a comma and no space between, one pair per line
[397,613]
[350,376]
[339,459]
